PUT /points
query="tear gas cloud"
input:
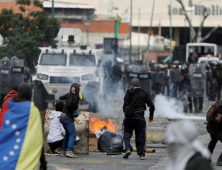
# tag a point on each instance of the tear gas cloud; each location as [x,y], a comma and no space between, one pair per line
[170,108]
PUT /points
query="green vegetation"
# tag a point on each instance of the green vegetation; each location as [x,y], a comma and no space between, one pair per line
[24,31]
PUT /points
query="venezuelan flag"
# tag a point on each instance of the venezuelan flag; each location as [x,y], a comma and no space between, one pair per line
[21,137]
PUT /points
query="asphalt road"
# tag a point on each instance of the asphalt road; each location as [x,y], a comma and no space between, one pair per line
[157,160]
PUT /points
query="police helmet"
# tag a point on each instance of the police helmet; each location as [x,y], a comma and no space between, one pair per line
[220,62]
[183,67]
[157,66]
[176,62]
[152,62]
[130,68]
[5,61]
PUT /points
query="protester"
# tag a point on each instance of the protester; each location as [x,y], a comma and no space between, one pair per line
[56,130]
[21,126]
[186,151]
[67,120]
[137,122]
[214,128]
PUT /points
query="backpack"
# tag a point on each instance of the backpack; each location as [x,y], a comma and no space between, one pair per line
[212,112]
[129,109]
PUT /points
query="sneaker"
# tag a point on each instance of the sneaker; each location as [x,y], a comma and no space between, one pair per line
[71,154]
[127,153]
[142,157]
[62,153]
[57,150]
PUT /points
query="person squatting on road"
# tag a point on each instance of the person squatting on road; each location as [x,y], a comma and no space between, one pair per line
[67,120]
[214,128]
[137,122]
[185,150]
[56,130]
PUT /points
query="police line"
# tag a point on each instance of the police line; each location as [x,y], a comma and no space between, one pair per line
[139,75]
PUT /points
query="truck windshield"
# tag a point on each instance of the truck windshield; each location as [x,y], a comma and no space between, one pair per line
[53,59]
[82,60]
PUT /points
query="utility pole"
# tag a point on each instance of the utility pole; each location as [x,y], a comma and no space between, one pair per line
[52,8]
[139,37]
[151,21]
[191,5]
[87,25]
[130,55]
[171,55]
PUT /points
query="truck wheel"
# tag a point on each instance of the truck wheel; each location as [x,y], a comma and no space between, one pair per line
[38,98]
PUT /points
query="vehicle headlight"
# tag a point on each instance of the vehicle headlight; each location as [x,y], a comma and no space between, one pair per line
[87,77]
[42,76]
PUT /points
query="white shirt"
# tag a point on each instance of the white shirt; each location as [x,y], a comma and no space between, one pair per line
[56,130]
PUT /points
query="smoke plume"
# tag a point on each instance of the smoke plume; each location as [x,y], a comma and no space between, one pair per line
[170,108]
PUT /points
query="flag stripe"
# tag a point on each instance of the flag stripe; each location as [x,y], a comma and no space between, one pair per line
[31,149]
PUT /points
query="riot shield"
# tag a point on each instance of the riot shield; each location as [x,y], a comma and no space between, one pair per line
[17,72]
[140,72]
[4,82]
[197,74]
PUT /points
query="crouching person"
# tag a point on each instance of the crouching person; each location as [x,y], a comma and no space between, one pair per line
[67,120]
[56,130]
[136,99]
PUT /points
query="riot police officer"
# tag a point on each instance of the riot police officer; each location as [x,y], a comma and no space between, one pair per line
[17,71]
[175,77]
[185,96]
[107,76]
[166,73]
[151,64]
[27,74]
[219,79]
[153,73]
[198,80]
[158,78]
[4,78]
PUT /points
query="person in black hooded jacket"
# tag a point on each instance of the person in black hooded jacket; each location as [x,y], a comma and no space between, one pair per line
[67,120]
[137,122]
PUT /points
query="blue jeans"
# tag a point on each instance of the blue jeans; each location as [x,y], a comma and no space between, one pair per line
[70,136]
[171,89]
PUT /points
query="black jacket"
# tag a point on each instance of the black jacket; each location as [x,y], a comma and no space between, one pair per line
[197,162]
[143,98]
[117,71]
[72,100]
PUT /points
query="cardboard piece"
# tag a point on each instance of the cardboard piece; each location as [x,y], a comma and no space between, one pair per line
[93,142]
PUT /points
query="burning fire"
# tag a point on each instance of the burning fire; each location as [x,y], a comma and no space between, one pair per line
[97,124]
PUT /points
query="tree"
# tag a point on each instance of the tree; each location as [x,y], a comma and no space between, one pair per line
[197,37]
[23,32]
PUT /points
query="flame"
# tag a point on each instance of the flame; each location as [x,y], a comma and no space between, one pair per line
[97,124]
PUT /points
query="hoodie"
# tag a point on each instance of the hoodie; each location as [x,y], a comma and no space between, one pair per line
[143,99]
[71,100]
[56,130]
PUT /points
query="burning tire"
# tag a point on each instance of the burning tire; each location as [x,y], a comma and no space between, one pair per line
[38,97]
